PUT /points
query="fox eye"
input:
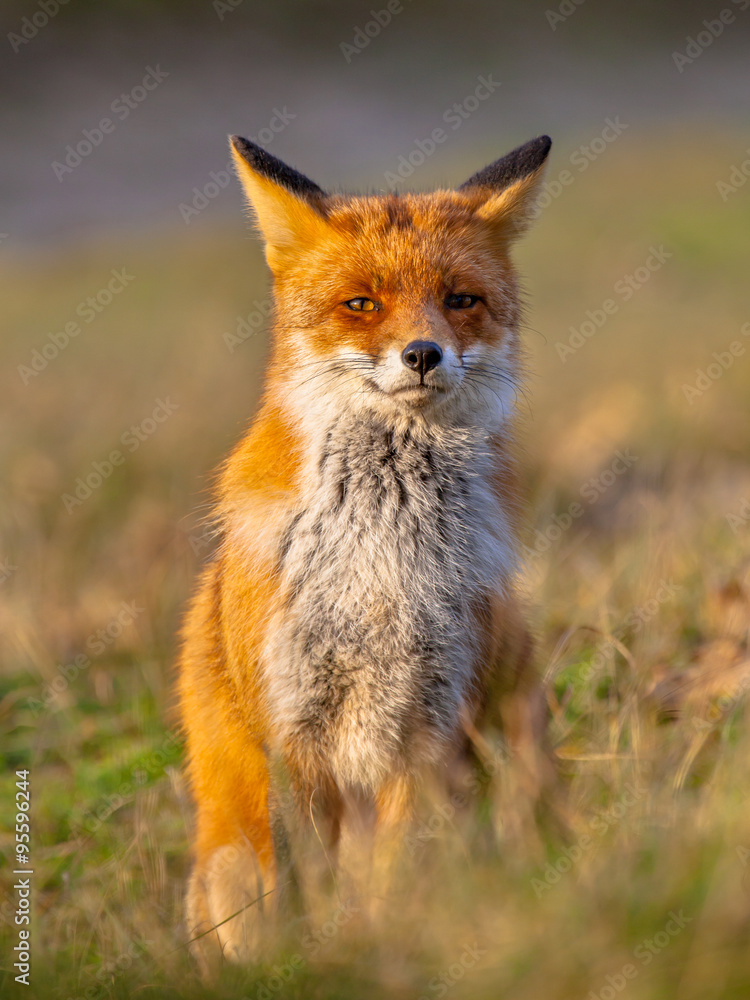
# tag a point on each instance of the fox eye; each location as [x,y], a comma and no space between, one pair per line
[461,301]
[361,305]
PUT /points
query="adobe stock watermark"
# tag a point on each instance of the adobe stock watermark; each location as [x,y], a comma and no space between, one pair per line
[224,7]
[580,159]
[87,310]
[104,975]
[566,9]
[444,814]
[569,857]
[32,25]
[625,288]
[154,762]
[590,492]
[447,978]
[740,518]
[379,19]
[203,540]
[721,709]
[644,954]
[218,180]
[313,942]
[131,439]
[121,108]
[696,45]
[455,116]
[738,175]
[95,644]
[722,362]
[632,624]
[249,325]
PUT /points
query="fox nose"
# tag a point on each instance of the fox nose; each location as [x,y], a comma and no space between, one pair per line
[422,356]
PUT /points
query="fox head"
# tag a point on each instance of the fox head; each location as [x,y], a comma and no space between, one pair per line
[405,305]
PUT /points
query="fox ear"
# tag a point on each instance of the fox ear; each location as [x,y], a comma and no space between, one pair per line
[288,206]
[504,191]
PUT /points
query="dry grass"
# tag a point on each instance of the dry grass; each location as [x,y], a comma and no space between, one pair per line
[641,603]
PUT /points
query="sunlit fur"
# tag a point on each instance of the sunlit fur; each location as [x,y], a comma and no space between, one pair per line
[361,603]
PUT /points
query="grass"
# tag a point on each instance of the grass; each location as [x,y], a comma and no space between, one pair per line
[554,881]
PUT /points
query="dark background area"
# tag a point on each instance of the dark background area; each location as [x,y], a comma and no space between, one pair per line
[230,67]
[636,419]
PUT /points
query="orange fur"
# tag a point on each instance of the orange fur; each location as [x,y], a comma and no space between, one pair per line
[407,253]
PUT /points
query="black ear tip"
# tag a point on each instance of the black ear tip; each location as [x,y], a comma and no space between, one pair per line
[269,166]
[545,144]
[519,163]
[244,147]
[535,150]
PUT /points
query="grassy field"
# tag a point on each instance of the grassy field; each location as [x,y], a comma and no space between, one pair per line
[620,870]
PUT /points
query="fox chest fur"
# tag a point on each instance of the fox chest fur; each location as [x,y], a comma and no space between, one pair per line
[360,616]
[374,650]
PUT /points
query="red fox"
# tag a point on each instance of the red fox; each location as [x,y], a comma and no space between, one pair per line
[361,606]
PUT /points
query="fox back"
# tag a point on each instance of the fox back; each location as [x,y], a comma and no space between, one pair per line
[361,600]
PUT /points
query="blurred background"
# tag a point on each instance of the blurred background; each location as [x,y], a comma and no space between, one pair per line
[134,298]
